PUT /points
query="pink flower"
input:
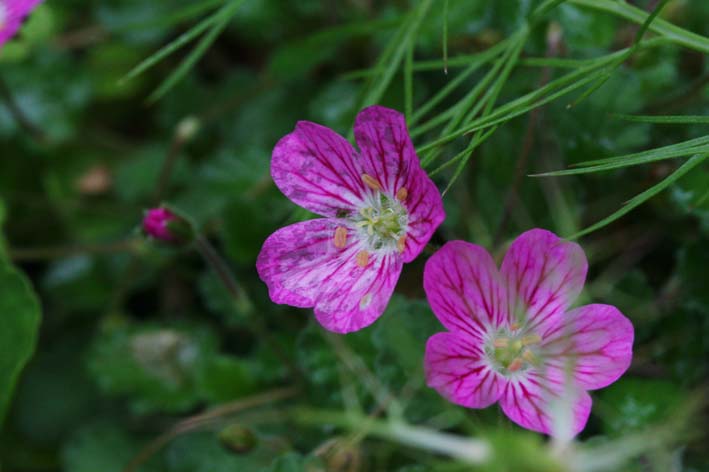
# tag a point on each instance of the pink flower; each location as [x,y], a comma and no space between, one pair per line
[156,221]
[510,337]
[380,210]
[12,12]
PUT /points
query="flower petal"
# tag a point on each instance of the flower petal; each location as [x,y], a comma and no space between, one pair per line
[464,289]
[388,155]
[302,267]
[11,16]
[539,402]
[544,275]
[318,169]
[456,368]
[597,340]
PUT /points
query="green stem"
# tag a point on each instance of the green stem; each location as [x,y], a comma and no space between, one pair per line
[471,451]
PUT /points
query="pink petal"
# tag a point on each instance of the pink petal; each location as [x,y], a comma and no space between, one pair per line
[388,155]
[464,289]
[12,16]
[544,275]
[302,267]
[318,169]
[597,340]
[456,368]
[530,399]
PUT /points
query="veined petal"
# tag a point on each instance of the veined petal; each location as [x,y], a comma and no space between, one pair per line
[318,169]
[386,150]
[302,267]
[595,341]
[547,403]
[544,274]
[357,301]
[464,289]
[456,368]
[426,214]
[388,155]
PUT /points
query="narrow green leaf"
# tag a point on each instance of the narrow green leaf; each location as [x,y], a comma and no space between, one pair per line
[223,16]
[644,196]
[445,36]
[478,61]
[171,47]
[666,119]
[664,28]
[627,161]
[19,324]
[409,82]
[691,145]
[390,60]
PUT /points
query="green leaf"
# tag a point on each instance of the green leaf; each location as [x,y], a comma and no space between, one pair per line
[664,28]
[644,196]
[19,323]
[666,119]
[221,20]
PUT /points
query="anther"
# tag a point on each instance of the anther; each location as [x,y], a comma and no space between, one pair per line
[401,194]
[371,182]
[340,237]
[514,326]
[362,258]
[515,365]
[401,243]
[531,339]
[529,356]
[501,342]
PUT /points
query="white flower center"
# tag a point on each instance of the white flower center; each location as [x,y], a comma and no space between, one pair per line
[382,223]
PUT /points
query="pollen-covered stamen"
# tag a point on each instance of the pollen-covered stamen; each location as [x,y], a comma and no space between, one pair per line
[362,258]
[401,243]
[402,194]
[340,239]
[531,339]
[371,182]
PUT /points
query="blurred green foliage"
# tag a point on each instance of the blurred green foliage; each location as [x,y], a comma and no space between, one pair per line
[137,338]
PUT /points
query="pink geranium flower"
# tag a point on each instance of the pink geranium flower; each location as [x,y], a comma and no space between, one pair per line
[511,338]
[380,210]
[12,12]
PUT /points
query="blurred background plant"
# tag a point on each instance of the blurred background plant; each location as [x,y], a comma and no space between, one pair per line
[143,360]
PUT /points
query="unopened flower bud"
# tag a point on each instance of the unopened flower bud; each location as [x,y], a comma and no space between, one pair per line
[164,225]
[238,438]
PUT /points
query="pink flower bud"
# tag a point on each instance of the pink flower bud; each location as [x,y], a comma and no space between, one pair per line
[164,225]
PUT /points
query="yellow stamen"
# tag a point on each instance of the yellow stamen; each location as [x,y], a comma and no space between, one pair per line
[515,365]
[531,339]
[529,356]
[371,182]
[340,237]
[501,342]
[362,258]
[401,243]
[401,194]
